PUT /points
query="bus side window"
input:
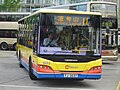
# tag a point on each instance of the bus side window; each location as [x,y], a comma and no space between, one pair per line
[35,31]
[1,33]
[13,34]
[7,34]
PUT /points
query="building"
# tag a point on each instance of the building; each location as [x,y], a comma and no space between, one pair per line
[28,5]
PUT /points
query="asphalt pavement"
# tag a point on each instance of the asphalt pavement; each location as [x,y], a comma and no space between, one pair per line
[12,77]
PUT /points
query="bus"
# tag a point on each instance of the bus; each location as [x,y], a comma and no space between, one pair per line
[77,53]
[9,28]
[109,24]
[119,40]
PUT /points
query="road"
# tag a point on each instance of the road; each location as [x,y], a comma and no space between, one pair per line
[14,78]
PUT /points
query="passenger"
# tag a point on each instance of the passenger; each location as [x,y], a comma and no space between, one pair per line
[50,41]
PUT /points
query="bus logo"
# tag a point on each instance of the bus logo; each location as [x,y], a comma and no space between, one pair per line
[67,66]
[70,67]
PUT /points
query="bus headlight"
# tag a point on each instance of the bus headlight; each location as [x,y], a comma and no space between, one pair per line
[45,68]
[96,69]
[114,52]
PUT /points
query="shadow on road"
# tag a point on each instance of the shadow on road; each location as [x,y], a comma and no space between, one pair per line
[64,83]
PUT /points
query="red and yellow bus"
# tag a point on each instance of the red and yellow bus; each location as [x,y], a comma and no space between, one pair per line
[77,54]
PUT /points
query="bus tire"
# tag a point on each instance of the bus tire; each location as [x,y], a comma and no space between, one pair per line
[4,46]
[19,57]
[31,75]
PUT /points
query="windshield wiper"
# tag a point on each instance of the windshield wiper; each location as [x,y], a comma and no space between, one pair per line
[61,52]
[85,37]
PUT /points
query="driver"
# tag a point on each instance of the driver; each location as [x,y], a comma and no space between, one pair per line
[50,41]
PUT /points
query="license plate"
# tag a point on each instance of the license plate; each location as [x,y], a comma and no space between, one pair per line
[104,59]
[71,75]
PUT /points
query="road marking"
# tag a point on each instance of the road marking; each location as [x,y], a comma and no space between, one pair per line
[41,88]
[118,86]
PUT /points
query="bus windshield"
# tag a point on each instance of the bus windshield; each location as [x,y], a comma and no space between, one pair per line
[67,33]
[107,10]
[109,40]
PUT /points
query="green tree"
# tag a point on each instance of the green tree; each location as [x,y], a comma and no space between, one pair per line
[10,5]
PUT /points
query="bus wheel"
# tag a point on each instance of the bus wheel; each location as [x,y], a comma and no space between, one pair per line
[4,46]
[19,57]
[31,75]
[21,66]
[81,79]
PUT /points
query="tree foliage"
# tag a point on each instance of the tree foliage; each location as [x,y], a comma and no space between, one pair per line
[10,5]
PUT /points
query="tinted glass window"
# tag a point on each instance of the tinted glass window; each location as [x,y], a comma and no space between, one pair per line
[107,10]
[70,31]
[11,17]
[8,33]
[81,7]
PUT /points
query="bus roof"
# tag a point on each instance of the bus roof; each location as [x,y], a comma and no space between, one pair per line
[66,5]
[61,11]
[103,2]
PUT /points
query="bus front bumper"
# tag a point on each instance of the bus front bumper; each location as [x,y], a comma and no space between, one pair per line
[109,58]
[66,76]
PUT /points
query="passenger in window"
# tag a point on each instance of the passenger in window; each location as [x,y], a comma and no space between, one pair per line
[50,41]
